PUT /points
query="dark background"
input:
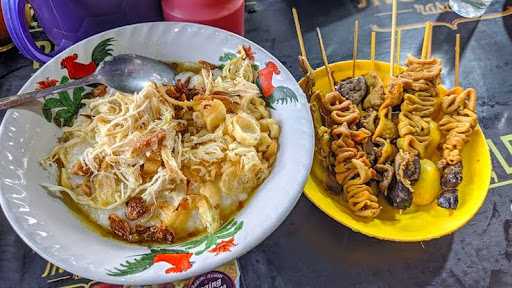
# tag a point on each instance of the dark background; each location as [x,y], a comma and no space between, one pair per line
[311,250]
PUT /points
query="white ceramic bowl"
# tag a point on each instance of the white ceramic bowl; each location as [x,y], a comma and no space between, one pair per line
[51,229]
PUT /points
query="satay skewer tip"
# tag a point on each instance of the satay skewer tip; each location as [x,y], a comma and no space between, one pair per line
[304,61]
[393,40]
[457,61]
[355,47]
[426,49]
[324,58]
[372,49]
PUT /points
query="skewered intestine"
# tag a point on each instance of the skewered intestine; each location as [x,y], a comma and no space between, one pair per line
[419,82]
[458,122]
[352,168]
[414,118]
[322,134]
[360,197]
[353,172]
[418,70]
[457,125]
[341,109]
[345,147]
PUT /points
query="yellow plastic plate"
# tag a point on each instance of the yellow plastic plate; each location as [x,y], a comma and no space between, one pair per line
[417,223]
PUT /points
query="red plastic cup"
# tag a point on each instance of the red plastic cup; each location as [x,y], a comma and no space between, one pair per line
[4,36]
[224,14]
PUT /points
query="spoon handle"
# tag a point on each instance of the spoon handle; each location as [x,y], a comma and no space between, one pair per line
[11,101]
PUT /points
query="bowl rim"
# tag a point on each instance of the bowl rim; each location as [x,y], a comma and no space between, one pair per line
[248,244]
[313,195]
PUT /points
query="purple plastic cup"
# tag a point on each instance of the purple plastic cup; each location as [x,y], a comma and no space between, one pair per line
[66,22]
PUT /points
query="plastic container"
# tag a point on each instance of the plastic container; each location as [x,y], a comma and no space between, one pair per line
[66,22]
[4,36]
[224,14]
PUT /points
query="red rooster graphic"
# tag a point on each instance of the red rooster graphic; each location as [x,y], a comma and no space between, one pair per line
[77,70]
[180,262]
[265,78]
[274,95]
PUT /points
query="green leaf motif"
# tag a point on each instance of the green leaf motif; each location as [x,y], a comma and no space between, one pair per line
[157,251]
[282,95]
[47,113]
[65,116]
[230,233]
[52,103]
[194,243]
[135,266]
[102,51]
[71,106]
[66,99]
[64,113]
[64,80]
[64,96]
[228,226]
[228,56]
[77,96]
[211,240]
[206,242]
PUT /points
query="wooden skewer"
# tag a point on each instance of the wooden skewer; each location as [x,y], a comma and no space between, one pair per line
[457,60]
[324,58]
[398,42]
[427,38]
[372,49]
[429,43]
[299,33]
[393,32]
[301,40]
[354,49]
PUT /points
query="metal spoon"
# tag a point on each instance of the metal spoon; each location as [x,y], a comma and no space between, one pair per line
[126,73]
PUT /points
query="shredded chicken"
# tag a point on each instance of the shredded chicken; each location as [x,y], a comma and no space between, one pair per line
[154,152]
